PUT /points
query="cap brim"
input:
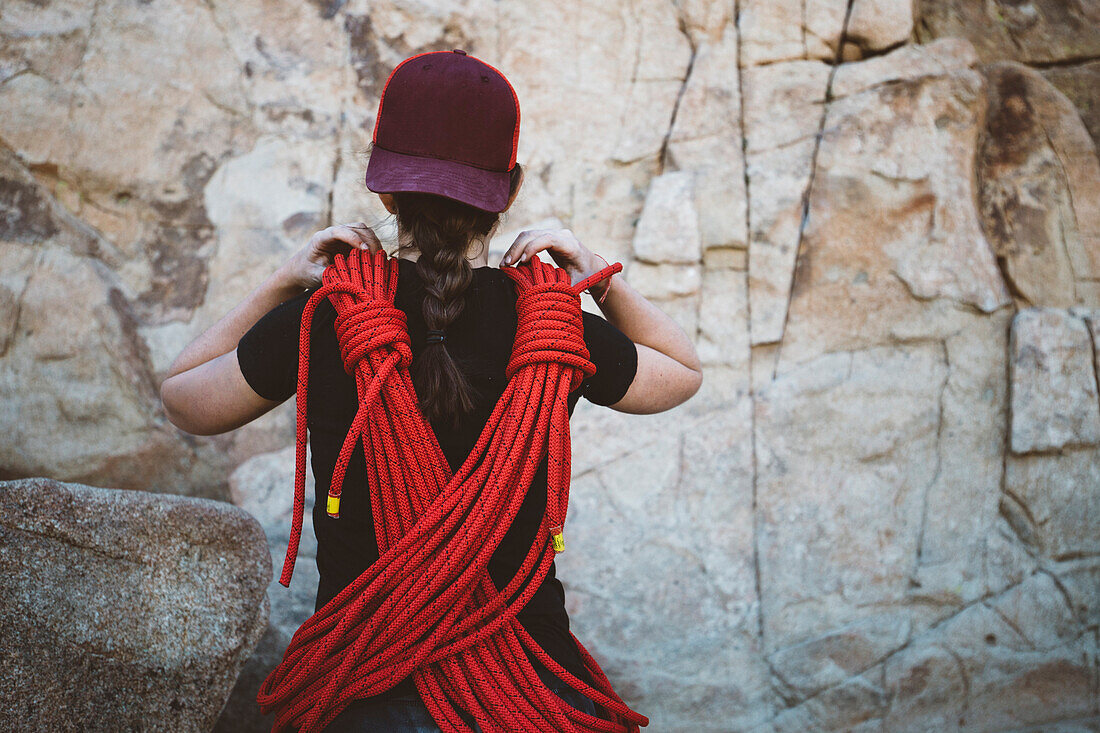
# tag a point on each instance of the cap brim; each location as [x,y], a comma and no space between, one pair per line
[390,172]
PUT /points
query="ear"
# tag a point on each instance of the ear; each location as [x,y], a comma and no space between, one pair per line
[387,201]
[519,186]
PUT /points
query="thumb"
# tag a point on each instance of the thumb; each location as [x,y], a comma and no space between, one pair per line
[315,272]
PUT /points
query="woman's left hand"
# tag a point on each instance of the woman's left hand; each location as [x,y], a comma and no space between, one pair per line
[564,248]
[305,267]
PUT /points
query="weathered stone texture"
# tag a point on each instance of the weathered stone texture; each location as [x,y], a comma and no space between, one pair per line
[1035,31]
[1040,181]
[1080,82]
[668,230]
[880,511]
[1058,36]
[123,610]
[1054,396]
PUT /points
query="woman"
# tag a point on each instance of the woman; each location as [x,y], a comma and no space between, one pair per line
[443,162]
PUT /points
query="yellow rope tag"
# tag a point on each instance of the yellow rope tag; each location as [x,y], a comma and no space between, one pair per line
[333,506]
[557,539]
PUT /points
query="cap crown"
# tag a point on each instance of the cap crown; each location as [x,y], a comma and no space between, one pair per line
[451,106]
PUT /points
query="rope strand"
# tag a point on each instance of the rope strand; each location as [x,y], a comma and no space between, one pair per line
[427,607]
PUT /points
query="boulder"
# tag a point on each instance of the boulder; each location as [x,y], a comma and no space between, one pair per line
[124,610]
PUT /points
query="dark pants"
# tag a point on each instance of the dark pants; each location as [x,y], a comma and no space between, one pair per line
[407,714]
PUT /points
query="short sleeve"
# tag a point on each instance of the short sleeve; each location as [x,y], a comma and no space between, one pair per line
[268,352]
[615,357]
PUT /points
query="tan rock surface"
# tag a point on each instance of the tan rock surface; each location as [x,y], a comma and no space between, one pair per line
[1054,396]
[836,533]
[1040,194]
[1035,31]
[783,108]
[1056,36]
[75,376]
[1080,82]
[668,230]
[889,253]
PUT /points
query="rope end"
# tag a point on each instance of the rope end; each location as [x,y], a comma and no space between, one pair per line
[333,506]
[288,570]
[598,276]
[557,538]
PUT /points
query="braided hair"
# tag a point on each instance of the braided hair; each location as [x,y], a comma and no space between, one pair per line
[441,230]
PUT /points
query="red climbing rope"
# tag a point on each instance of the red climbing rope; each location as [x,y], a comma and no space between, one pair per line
[427,607]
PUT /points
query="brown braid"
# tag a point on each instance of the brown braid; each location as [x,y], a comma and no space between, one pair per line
[441,230]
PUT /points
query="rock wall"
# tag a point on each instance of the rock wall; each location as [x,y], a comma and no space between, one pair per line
[879,220]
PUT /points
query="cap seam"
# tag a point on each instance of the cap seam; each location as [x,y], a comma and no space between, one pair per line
[515,98]
[449,160]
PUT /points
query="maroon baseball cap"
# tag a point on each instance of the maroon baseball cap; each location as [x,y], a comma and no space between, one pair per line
[448,124]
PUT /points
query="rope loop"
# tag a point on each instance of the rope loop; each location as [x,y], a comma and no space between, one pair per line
[550,328]
[367,325]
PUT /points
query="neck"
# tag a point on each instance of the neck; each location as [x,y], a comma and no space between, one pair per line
[477,254]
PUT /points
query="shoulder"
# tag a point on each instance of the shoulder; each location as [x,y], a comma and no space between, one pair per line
[615,357]
[598,328]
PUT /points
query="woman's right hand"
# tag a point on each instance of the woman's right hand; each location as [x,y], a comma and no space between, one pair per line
[305,267]
[564,247]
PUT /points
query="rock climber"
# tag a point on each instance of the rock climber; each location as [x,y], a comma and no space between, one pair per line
[443,163]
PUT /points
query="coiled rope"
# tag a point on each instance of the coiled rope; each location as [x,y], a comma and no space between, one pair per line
[427,607]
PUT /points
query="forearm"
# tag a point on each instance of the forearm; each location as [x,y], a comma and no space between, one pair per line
[644,323]
[222,337]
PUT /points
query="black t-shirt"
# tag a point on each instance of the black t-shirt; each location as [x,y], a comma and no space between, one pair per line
[480,340]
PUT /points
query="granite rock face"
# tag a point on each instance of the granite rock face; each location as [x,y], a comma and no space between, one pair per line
[1031,31]
[878,219]
[1057,36]
[75,375]
[124,610]
[1040,189]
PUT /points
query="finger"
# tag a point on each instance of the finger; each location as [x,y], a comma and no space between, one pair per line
[315,274]
[538,244]
[512,255]
[337,237]
[350,234]
[367,236]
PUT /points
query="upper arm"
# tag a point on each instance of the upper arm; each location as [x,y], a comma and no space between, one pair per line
[213,397]
[239,386]
[660,383]
[631,377]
